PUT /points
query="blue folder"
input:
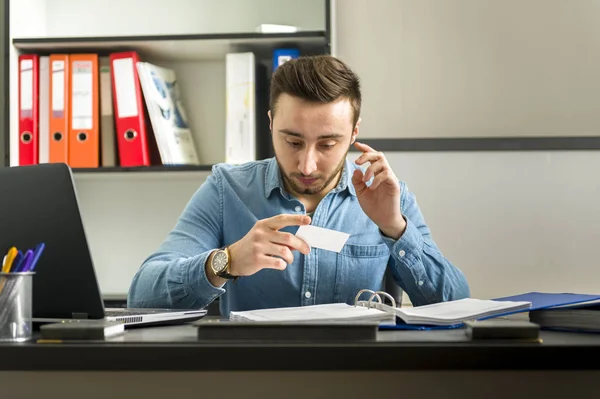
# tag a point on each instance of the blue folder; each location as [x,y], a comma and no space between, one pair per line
[539,300]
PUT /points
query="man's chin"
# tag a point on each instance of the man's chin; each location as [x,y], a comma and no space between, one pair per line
[307,190]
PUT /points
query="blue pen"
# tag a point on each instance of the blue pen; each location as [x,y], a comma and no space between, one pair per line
[36,256]
[24,261]
[17,262]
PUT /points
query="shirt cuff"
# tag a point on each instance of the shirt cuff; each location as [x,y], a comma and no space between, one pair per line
[197,280]
[408,249]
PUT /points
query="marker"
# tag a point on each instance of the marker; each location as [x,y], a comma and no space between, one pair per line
[8,259]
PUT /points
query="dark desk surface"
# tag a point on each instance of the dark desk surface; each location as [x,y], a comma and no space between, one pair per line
[177,348]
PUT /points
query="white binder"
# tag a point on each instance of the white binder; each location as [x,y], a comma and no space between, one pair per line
[240,135]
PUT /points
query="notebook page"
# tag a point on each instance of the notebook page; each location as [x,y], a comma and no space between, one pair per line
[460,309]
[333,311]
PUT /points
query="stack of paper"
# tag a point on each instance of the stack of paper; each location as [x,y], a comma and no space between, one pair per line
[455,312]
[315,313]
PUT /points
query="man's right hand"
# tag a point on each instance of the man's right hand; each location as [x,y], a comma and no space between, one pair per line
[264,247]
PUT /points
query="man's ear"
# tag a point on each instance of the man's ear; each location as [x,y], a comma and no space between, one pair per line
[355,131]
[270,121]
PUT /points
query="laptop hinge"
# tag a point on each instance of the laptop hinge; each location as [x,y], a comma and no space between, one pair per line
[77,315]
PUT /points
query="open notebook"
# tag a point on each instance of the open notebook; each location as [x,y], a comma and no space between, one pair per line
[446,314]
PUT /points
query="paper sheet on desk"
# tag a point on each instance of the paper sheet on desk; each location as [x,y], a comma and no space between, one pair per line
[319,237]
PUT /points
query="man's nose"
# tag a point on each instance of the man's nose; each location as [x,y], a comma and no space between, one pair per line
[308,163]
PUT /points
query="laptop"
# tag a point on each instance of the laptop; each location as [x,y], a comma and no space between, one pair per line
[39,203]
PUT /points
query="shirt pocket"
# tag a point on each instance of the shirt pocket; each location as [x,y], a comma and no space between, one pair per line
[359,267]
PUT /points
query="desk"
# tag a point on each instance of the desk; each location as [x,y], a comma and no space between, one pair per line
[168,361]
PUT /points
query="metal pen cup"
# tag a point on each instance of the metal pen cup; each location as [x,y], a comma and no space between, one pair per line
[16,306]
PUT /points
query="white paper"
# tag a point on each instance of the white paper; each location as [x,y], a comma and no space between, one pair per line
[319,237]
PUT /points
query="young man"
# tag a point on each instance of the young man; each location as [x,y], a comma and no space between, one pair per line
[235,238]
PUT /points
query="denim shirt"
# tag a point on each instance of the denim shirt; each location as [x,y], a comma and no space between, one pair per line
[234,197]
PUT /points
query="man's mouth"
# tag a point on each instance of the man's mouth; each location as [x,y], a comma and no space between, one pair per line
[307,181]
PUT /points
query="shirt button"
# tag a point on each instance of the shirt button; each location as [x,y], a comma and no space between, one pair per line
[307,294]
[402,253]
[420,282]
[298,208]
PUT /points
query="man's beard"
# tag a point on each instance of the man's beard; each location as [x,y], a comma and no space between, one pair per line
[302,190]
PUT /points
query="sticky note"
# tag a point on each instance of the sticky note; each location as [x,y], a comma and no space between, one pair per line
[319,237]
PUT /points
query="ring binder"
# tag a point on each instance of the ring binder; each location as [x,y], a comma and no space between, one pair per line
[373,295]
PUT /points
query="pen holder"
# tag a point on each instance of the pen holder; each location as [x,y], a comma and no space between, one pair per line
[16,306]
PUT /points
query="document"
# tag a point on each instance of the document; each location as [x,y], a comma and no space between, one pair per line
[319,237]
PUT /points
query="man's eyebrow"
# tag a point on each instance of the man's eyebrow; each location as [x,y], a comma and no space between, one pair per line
[300,135]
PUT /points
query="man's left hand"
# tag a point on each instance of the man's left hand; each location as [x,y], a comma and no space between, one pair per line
[381,200]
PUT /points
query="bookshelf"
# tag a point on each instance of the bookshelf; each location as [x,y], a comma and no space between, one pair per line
[190,37]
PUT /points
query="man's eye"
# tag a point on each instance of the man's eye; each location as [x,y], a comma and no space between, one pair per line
[327,146]
[293,144]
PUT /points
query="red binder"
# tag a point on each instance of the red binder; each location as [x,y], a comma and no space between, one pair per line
[28,109]
[130,122]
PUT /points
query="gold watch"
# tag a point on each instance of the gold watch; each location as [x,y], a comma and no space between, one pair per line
[221,262]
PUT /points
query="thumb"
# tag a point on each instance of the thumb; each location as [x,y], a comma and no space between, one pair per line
[357,180]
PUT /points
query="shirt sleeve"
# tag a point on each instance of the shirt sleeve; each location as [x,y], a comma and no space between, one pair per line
[418,265]
[175,276]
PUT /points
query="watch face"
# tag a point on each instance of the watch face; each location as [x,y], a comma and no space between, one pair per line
[219,262]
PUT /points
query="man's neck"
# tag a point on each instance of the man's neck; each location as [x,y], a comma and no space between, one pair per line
[311,202]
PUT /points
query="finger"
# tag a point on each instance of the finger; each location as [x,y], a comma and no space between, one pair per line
[374,169]
[280,251]
[357,180]
[382,177]
[272,262]
[369,157]
[286,219]
[291,241]
[363,147]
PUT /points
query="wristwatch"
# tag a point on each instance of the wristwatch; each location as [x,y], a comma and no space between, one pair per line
[220,263]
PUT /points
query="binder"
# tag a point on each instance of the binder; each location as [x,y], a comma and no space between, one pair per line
[59,108]
[130,120]
[281,55]
[240,128]
[84,135]
[28,109]
[443,315]
[108,149]
[173,134]
[563,311]
[44,132]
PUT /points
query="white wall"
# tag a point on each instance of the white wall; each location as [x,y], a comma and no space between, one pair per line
[470,68]
[151,17]
[513,221]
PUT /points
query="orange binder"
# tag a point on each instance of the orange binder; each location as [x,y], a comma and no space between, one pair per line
[59,108]
[84,132]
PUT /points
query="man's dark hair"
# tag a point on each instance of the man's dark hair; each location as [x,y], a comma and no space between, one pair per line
[318,78]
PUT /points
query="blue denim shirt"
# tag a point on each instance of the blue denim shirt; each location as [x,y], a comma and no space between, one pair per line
[234,197]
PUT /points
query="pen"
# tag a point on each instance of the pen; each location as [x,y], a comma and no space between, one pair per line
[24,264]
[16,262]
[36,256]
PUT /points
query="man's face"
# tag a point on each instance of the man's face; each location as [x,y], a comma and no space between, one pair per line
[311,142]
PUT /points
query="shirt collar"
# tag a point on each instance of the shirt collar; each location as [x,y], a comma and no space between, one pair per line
[274,180]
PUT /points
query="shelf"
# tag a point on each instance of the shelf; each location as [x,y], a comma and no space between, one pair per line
[193,47]
[146,169]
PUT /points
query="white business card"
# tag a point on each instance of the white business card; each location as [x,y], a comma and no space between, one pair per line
[319,237]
